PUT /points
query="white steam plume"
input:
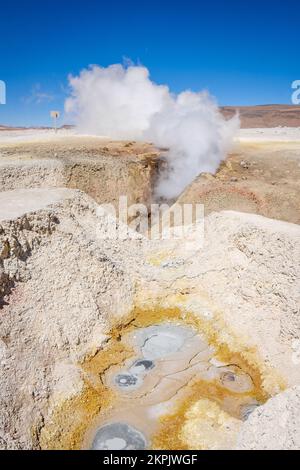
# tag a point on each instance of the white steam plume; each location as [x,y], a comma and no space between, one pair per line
[123,103]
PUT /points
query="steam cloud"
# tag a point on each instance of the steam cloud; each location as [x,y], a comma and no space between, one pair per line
[123,103]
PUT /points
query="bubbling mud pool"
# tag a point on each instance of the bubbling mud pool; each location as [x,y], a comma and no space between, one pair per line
[167,360]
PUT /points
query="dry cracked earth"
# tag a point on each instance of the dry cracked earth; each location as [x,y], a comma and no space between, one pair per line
[139,343]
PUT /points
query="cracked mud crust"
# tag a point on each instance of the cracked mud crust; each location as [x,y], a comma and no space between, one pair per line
[68,425]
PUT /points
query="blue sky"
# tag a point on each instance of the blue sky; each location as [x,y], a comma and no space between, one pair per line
[243,52]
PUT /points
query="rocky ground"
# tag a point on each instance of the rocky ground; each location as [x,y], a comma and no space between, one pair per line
[69,294]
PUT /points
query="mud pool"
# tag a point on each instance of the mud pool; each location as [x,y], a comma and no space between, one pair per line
[168,358]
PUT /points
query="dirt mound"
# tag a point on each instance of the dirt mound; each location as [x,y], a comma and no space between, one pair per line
[261,178]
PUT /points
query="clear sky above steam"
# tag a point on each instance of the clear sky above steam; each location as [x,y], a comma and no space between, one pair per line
[243,52]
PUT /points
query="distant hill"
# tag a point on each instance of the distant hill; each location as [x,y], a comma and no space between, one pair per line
[11,128]
[267,115]
[270,115]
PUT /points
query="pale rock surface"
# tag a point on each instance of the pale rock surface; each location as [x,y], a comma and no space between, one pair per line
[58,289]
[273,426]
